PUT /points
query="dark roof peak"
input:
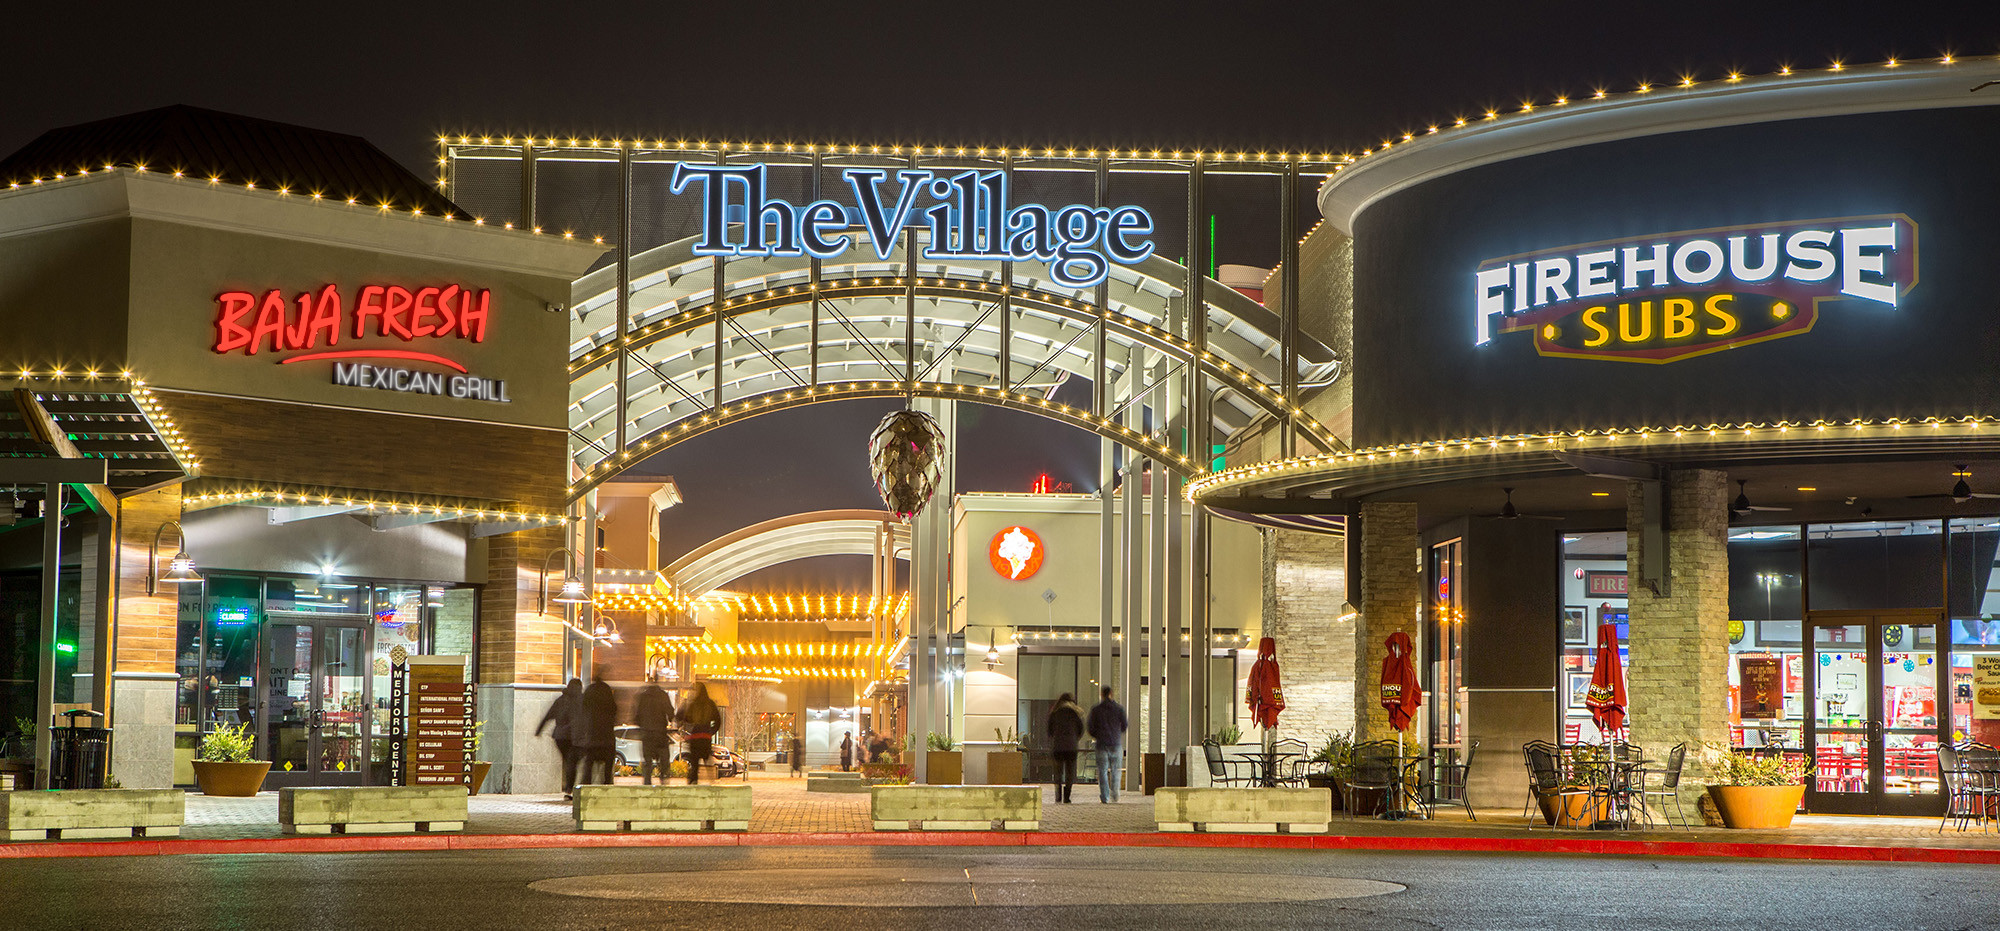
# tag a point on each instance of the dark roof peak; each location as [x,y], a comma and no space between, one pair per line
[234,149]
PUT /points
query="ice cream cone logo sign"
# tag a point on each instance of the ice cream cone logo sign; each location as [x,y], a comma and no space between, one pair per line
[1016,553]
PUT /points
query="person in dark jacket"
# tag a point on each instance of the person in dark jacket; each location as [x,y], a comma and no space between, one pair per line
[798,756]
[1107,727]
[600,718]
[847,752]
[559,714]
[653,713]
[1065,731]
[701,719]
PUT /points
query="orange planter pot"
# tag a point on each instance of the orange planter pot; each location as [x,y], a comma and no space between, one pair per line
[230,780]
[1574,811]
[1757,807]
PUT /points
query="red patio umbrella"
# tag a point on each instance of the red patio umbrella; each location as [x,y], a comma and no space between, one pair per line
[1267,695]
[1606,697]
[1402,694]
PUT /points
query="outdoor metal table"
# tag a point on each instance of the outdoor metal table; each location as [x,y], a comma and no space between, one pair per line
[1264,766]
[1613,777]
[1397,810]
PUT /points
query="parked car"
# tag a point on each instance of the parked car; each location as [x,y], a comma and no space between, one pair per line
[630,752]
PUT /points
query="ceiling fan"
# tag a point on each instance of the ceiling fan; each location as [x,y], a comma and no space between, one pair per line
[1742,503]
[1509,512]
[1961,491]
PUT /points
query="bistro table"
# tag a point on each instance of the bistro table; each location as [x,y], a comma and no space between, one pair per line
[1264,766]
[1614,777]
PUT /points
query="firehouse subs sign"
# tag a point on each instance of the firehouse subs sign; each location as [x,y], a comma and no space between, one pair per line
[382,325]
[1673,296]
[969,215]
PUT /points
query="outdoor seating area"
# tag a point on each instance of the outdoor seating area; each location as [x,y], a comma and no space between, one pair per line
[1610,785]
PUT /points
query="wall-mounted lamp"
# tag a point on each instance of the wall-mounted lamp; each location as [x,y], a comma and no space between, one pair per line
[993,657]
[571,593]
[180,569]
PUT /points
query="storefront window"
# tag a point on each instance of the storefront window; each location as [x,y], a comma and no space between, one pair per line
[455,623]
[1875,565]
[187,656]
[1594,592]
[316,596]
[1975,631]
[1766,659]
[399,620]
[1447,630]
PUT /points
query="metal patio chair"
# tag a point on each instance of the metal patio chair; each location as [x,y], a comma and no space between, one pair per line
[1545,774]
[1445,782]
[1971,787]
[1375,770]
[1218,768]
[1669,787]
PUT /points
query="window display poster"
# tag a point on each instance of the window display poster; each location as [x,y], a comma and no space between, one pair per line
[1763,697]
[1986,688]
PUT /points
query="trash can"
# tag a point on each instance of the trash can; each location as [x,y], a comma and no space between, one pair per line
[78,754]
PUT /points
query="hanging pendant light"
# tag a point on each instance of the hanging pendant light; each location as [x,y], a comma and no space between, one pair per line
[906,457]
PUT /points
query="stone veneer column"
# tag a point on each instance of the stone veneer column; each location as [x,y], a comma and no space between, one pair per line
[145,634]
[1305,583]
[520,661]
[1676,675]
[1391,584]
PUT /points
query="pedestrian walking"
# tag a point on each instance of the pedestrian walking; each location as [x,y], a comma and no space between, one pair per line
[1065,731]
[653,713]
[559,714]
[798,757]
[600,718]
[1107,727]
[701,719]
[847,752]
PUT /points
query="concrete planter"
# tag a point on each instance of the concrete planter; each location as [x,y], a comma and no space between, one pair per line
[372,809]
[230,780]
[1757,807]
[1299,811]
[944,767]
[1004,767]
[955,808]
[662,808]
[70,814]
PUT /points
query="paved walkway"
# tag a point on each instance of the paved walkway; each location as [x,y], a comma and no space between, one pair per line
[782,805]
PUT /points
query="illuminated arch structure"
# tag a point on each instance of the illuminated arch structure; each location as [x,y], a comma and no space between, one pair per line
[793,331]
[851,532]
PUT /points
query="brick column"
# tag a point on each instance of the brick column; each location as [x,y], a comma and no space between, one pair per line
[1677,671]
[520,660]
[1391,584]
[144,684]
[1305,583]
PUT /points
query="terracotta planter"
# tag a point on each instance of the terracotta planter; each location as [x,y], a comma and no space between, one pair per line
[944,767]
[1573,811]
[1757,807]
[479,771]
[1004,767]
[230,780]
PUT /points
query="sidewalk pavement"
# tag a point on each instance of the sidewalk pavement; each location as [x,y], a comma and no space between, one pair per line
[784,809]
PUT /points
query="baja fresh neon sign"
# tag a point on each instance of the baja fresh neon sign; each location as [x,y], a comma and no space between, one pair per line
[1673,296]
[968,214]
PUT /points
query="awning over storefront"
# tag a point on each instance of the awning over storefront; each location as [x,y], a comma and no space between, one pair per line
[380,510]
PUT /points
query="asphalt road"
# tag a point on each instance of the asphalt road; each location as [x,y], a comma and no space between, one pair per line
[907,888]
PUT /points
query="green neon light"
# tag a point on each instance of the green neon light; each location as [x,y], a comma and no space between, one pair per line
[1212,267]
[65,647]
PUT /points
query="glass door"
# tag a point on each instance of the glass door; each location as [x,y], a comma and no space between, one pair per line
[315,702]
[1873,722]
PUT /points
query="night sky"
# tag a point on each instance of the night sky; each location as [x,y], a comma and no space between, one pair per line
[1244,75]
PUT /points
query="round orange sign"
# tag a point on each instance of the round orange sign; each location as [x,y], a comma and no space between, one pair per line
[1016,553]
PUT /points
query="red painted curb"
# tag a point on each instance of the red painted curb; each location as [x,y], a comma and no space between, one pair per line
[1329,842]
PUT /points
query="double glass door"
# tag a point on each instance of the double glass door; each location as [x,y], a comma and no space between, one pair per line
[1873,723]
[316,701]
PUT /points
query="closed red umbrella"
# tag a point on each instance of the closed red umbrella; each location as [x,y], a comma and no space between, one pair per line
[1606,697]
[1267,695]
[1402,694]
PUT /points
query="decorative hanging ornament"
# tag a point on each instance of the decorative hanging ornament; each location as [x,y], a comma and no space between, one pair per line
[906,457]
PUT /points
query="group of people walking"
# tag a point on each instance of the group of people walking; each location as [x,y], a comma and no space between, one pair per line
[585,720]
[1106,725]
